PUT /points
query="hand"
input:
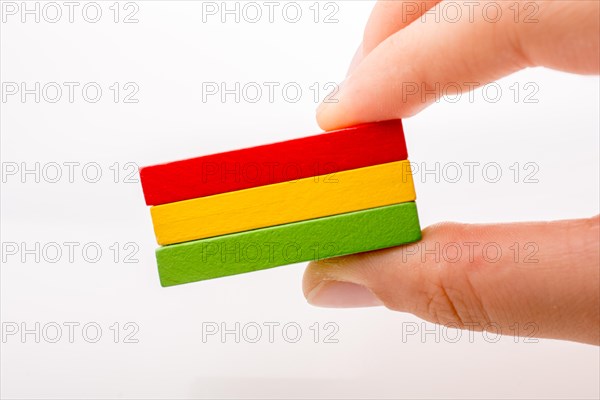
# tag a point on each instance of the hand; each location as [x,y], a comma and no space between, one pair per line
[558,291]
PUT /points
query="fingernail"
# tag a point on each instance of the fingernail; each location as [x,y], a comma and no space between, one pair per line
[336,294]
[331,98]
[356,59]
[321,108]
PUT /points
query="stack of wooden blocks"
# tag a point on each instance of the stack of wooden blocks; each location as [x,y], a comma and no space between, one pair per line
[337,193]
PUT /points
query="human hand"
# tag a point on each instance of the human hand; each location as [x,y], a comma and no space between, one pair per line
[560,292]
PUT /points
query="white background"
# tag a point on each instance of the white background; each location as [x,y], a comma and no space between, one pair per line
[168,54]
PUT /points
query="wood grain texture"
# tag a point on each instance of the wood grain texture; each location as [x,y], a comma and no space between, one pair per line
[326,237]
[282,203]
[335,151]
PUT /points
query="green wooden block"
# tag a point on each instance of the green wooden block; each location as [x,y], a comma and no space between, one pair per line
[337,235]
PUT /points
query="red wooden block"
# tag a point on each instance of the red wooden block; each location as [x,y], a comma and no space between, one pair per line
[327,153]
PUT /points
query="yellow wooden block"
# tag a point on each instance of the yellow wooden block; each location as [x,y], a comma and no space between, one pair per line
[285,202]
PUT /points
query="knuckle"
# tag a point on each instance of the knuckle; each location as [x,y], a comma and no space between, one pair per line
[448,295]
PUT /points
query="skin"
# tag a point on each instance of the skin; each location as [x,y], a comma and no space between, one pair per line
[553,294]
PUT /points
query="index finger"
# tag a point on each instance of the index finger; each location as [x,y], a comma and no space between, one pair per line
[407,71]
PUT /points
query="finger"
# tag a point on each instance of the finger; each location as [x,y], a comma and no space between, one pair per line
[388,17]
[430,57]
[478,276]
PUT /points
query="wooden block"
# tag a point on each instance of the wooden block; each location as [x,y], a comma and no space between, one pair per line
[345,149]
[259,249]
[282,203]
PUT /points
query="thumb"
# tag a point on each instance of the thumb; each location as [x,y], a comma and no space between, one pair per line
[476,276]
